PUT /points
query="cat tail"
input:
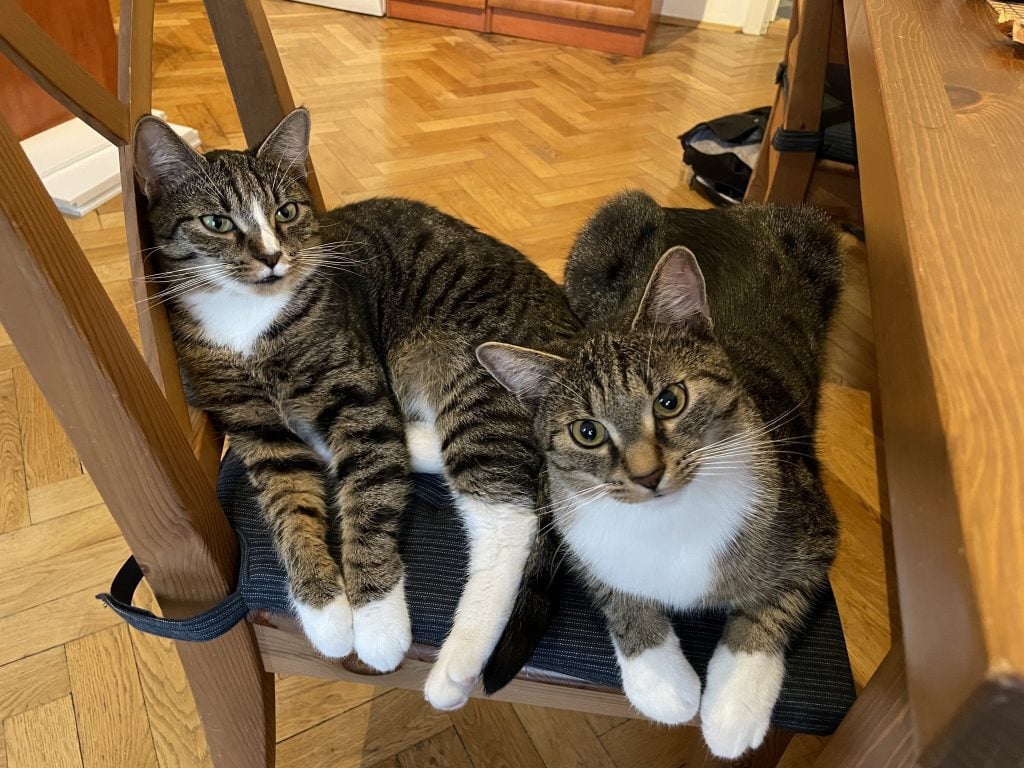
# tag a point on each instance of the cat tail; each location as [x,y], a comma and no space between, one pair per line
[613,255]
[536,602]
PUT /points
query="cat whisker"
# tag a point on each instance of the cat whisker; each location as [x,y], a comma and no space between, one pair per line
[747,440]
[159,277]
[762,430]
[327,259]
[585,492]
[179,289]
[572,515]
[145,253]
[754,451]
[356,245]
[557,508]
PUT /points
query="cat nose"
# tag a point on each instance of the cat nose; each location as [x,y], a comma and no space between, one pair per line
[270,259]
[651,479]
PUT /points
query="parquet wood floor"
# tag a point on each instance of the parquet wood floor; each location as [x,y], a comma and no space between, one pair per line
[518,137]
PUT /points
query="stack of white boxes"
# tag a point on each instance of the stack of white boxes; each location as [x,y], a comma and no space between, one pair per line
[79,167]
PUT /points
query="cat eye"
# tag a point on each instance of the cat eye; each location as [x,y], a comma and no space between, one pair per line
[287,212]
[218,224]
[588,433]
[670,401]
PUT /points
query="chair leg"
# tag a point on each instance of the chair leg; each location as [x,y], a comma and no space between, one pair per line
[254,70]
[783,177]
[878,730]
[234,697]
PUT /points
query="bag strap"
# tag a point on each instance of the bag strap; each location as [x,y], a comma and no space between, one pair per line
[786,140]
[208,625]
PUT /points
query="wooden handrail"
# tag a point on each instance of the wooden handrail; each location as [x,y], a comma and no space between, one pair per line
[26,44]
[84,361]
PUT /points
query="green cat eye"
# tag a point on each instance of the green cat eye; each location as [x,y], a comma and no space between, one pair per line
[588,433]
[670,401]
[218,224]
[287,212]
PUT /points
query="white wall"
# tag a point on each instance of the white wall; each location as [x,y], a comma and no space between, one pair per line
[732,13]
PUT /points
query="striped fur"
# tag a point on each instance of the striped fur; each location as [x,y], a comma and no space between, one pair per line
[720,504]
[311,342]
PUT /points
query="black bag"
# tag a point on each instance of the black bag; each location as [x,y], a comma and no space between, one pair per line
[722,153]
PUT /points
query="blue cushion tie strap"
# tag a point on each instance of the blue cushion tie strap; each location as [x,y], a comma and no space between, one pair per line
[208,625]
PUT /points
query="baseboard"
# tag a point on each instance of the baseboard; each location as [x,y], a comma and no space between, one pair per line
[580,34]
[676,21]
[442,14]
[366,7]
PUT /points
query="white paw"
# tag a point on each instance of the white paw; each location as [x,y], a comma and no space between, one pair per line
[424,448]
[660,683]
[383,632]
[739,697]
[329,629]
[453,676]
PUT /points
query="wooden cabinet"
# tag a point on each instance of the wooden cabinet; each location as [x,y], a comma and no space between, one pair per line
[83,28]
[614,26]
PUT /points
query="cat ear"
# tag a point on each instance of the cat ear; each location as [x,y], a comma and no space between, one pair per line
[526,373]
[160,154]
[287,146]
[675,294]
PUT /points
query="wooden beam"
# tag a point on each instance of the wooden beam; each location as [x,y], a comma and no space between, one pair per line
[135,76]
[134,84]
[877,732]
[254,71]
[84,361]
[135,57]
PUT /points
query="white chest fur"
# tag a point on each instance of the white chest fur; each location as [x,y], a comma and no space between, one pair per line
[234,320]
[664,549]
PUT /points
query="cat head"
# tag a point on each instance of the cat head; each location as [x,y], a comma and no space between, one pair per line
[640,411]
[225,220]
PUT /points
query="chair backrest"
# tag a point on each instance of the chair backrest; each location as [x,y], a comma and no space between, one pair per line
[153,461]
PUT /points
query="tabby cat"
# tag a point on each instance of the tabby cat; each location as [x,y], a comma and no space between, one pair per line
[328,342]
[679,441]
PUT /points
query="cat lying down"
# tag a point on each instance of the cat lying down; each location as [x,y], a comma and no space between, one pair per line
[678,434]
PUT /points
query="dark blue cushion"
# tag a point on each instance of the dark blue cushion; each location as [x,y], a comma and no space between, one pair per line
[818,688]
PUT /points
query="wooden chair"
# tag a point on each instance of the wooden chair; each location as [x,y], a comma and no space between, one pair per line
[154,461]
[788,172]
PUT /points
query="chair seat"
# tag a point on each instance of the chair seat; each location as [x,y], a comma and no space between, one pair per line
[818,688]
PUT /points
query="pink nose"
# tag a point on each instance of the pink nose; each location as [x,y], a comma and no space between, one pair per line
[650,480]
[270,259]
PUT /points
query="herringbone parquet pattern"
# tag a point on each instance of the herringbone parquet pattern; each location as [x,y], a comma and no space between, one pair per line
[521,139]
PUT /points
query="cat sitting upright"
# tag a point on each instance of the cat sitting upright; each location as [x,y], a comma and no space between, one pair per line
[679,442]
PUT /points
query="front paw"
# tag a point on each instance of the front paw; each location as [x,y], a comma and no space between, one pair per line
[328,627]
[741,692]
[660,683]
[383,632]
[453,675]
